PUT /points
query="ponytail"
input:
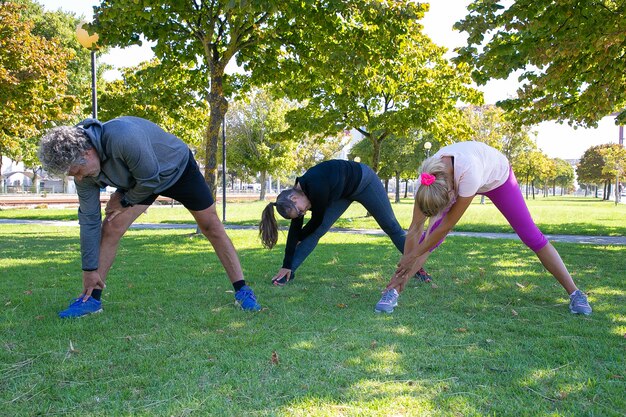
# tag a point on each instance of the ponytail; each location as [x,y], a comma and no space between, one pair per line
[268,227]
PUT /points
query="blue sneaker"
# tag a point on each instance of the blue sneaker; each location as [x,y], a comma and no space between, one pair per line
[78,308]
[387,302]
[246,299]
[578,303]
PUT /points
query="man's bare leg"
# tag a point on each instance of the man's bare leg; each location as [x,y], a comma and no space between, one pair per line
[211,227]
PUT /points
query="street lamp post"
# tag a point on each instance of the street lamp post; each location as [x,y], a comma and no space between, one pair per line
[90,42]
[427,147]
[224,169]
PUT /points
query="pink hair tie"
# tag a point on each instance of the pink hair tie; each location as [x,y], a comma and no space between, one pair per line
[427,179]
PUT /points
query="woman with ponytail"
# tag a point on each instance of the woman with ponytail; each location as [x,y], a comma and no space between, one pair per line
[449,180]
[327,190]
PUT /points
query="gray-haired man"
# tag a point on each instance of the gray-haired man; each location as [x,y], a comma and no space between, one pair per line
[142,161]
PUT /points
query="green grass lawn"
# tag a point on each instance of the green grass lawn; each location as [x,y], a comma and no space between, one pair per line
[493,336]
[553,215]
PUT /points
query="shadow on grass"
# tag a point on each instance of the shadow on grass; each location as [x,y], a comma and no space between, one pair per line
[170,341]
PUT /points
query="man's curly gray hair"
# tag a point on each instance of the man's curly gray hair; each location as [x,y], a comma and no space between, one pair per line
[62,147]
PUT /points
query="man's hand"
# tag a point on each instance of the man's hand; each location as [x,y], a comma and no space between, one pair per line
[91,281]
[114,207]
[282,273]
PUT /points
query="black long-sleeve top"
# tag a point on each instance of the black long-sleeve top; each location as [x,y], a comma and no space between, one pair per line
[322,184]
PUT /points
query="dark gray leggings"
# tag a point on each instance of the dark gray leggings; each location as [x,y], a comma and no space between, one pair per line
[372,195]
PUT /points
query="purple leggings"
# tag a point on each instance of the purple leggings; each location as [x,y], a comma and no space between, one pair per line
[509,200]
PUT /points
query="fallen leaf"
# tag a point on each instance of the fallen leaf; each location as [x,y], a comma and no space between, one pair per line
[489,340]
[72,350]
[562,395]
[8,303]
[520,285]
[28,292]
[434,285]
[39,317]
[617,376]
[481,271]
[514,312]
[274,358]
[373,344]
[129,338]
[461,330]
[342,305]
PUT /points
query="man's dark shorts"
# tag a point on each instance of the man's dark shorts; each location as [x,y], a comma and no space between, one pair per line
[191,190]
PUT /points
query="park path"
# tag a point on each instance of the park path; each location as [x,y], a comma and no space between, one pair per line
[593,240]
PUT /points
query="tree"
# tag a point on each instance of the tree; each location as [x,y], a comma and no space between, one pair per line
[591,170]
[529,166]
[313,149]
[373,71]
[204,36]
[491,125]
[564,176]
[614,165]
[164,94]
[570,54]
[255,126]
[33,84]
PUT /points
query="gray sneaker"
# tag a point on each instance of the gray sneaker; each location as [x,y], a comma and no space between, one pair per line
[578,303]
[387,302]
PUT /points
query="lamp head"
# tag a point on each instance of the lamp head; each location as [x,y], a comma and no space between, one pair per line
[88,41]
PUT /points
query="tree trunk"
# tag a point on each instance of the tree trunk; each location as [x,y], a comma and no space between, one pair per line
[527,182]
[387,185]
[375,154]
[397,187]
[218,107]
[617,188]
[263,185]
[406,188]
[532,186]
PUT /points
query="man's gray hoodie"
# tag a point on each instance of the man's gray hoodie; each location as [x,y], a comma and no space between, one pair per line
[137,157]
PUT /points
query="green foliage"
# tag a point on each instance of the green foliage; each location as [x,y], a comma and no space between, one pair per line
[570,55]
[255,139]
[564,175]
[592,168]
[490,124]
[368,66]
[33,84]
[399,157]
[164,94]
[203,36]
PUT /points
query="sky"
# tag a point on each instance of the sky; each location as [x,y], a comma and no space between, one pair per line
[553,139]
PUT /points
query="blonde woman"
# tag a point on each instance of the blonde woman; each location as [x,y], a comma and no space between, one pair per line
[449,181]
